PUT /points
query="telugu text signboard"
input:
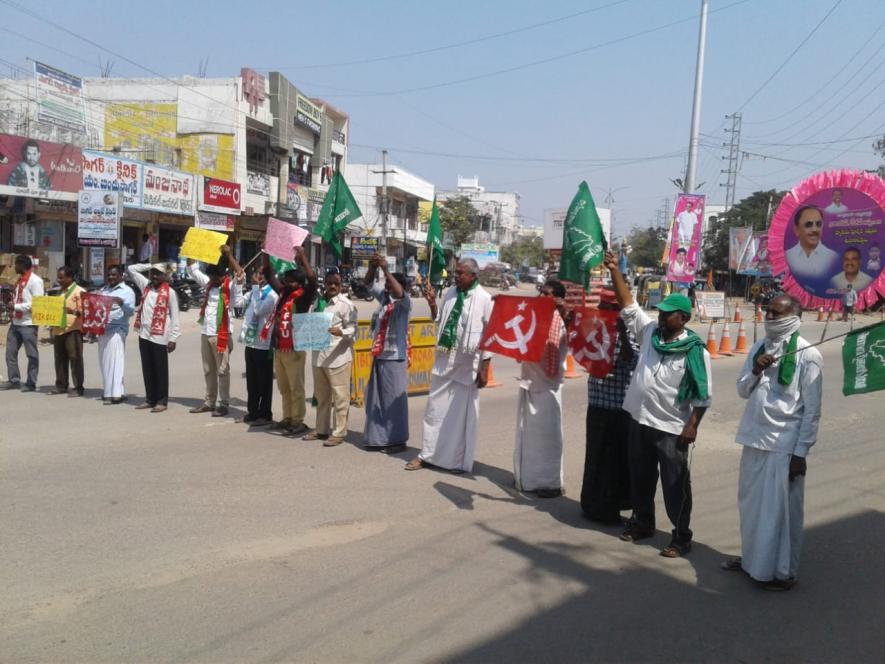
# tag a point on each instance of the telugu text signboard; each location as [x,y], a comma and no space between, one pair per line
[59,98]
[362,247]
[104,172]
[169,191]
[98,219]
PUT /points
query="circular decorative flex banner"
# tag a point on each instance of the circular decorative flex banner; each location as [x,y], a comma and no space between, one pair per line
[828,234]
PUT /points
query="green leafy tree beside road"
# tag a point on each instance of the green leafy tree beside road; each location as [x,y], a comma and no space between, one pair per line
[459,219]
[752,211]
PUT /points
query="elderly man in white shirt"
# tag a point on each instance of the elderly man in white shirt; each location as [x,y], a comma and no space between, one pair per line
[669,393]
[331,367]
[22,331]
[782,381]
[156,321]
[810,259]
[222,296]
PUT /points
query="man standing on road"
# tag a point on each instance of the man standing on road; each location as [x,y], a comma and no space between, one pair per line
[22,331]
[849,299]
[331,367]
[387,402]
[112,344]
[259,356]
[605,492]
[782,381]
[537,455]
[297,290]
[156,322]
[67,340]
[667,398]
[460,369]
[222,296]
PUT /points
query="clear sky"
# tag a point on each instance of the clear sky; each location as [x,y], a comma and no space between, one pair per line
[616,114]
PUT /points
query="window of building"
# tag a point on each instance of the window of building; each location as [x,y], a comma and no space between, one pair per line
[299,168]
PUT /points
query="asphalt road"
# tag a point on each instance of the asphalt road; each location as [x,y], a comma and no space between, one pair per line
[129,536]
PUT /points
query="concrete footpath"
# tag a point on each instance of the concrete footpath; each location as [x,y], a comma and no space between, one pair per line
[130,536]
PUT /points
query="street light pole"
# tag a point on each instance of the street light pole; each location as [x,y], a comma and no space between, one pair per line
[691,169]
[384,201]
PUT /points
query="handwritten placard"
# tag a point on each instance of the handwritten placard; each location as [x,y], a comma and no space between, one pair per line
[96,313]
[48,310]
[311,331]
[282,238]
[203,245]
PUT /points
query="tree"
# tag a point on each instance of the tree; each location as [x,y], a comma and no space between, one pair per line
[754,211]
[528,249]
[879,148]
[459,219]
[648,246]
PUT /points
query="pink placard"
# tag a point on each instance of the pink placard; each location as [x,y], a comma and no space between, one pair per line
[282,238]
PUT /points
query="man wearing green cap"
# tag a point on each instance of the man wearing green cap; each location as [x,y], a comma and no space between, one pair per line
[667,398]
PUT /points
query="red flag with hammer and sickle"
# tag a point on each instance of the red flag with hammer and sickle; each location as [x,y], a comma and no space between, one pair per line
[518,327]
[592,334]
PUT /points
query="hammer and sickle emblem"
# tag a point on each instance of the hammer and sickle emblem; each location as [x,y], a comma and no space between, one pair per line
[521,339]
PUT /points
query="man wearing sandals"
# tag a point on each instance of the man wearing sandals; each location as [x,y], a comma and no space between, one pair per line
[782,381]
[668,395]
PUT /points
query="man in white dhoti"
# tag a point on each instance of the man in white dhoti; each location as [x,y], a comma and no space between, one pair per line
[459,371]
[537,456]
[112,344]
[687,220]
[779,425]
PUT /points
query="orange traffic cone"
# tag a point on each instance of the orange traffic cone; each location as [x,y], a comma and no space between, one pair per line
[737,314]
[820,315]
[711,344]
[758,313]
[741,345]
[725,341]
[830,314]
[570,367]
[491,381]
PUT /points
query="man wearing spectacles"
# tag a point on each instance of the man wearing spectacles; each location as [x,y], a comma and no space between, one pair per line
[810,260]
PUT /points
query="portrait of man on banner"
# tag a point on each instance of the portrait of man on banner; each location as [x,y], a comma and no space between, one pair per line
[685,238]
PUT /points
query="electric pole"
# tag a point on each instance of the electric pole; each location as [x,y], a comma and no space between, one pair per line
[691,169]
[384,205]
[734,154]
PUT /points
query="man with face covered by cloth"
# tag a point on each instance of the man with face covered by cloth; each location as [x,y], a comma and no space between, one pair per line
[668,395]
[782,381]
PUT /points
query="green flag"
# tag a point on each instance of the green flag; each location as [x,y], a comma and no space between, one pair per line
[863,360]
[583,243]
[339,210]
[279,265]
[435,246]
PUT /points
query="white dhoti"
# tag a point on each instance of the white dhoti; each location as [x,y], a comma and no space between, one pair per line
[112,359]
[449,437]
[537,457]
[771,508]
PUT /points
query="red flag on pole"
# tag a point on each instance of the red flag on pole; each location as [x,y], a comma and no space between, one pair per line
[518,327]
[592,334]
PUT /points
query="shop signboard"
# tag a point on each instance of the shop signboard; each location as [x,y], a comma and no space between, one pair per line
[39,169]
[258,184]
[308,114]
[104,172]
[59,98]
[169,191]
[213,221]
[218,195]
[98,219]
[364,246]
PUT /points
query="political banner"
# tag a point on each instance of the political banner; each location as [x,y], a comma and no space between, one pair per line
[311,331]
[98,219]
[827,234]
[39,169]
[282,238]
[48,310]
[754,260]
[483,254]
[59,98]
[169,191]
[364,247]
[518,327]
[739,239]
[863,360]
[103,172]
[685,238]
[202,245]
[592,334]
[425,211]
[96,313]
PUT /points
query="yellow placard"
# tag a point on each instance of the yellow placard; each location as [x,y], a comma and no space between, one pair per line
[203,245]
[422,332]
[48,310]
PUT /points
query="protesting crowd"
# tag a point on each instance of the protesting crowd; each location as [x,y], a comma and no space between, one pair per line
[642,419]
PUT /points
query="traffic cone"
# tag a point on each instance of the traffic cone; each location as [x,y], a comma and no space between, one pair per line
[820,315]
[570,367]
[759,313]
[741,345]
[830,315]
[725,341]
[737,313]
[711,344]
[491,381]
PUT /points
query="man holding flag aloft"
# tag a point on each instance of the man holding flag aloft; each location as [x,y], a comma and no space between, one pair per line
[782,381]
[669,393]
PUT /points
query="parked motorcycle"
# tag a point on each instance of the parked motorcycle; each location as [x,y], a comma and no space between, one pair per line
[359,290]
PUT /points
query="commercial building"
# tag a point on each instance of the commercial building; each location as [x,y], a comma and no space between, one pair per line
[499,210]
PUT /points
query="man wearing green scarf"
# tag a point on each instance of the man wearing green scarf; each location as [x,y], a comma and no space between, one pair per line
[459,371]
[782,381]
[668,395]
